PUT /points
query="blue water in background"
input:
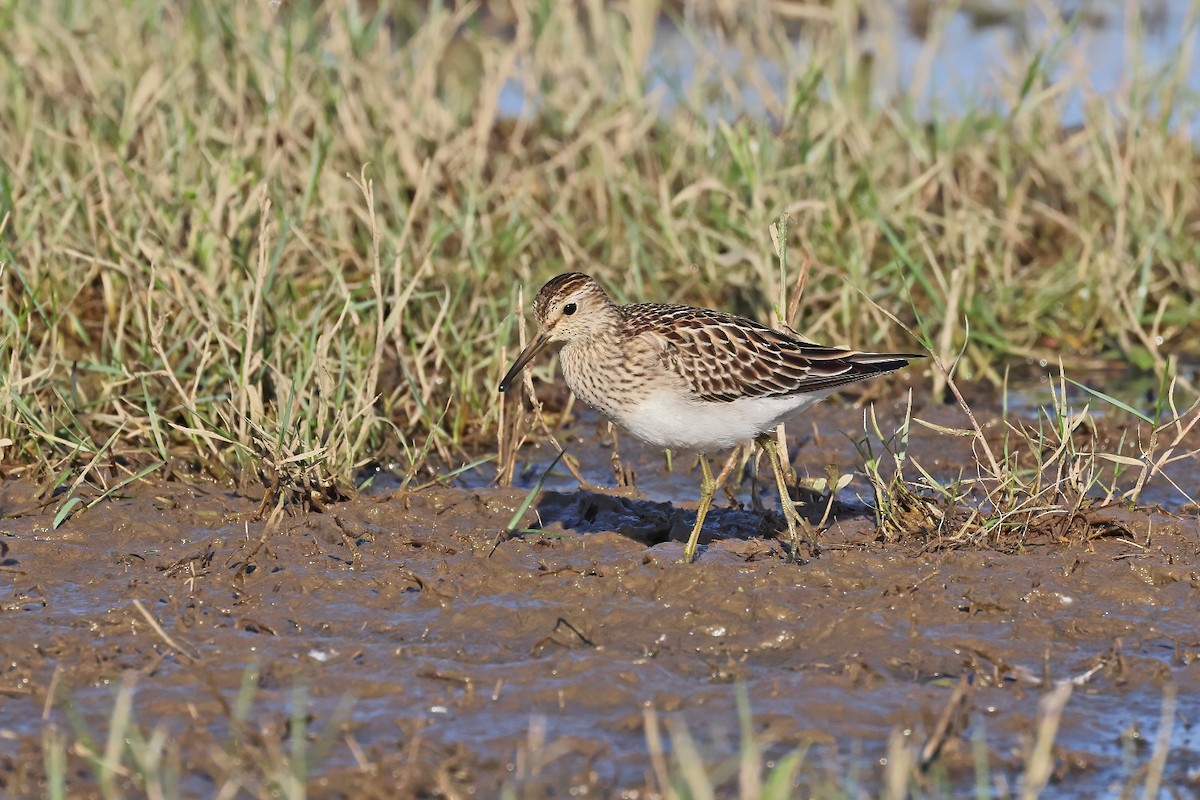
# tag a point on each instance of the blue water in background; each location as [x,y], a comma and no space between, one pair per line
[1098,50]
[960,60]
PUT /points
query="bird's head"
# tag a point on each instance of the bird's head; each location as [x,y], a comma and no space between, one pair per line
[571,307]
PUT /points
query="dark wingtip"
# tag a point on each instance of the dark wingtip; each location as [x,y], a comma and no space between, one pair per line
[873,365]
[885,360]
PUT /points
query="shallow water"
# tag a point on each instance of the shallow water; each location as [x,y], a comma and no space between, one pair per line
[531,663]
[950,62]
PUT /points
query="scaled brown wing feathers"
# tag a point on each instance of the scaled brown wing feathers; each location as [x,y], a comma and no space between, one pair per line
[723,357]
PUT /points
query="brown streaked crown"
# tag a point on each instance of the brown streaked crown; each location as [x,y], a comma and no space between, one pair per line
[561,286]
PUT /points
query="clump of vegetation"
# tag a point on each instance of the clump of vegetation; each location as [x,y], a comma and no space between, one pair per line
[1044,477]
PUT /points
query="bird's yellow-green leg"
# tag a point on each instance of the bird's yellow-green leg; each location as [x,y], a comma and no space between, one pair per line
[708,488]
[790,516]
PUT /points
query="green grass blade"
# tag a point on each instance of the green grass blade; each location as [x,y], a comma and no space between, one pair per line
[1108,398]
[533,494]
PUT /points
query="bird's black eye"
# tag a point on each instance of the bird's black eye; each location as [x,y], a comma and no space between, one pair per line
[569,309]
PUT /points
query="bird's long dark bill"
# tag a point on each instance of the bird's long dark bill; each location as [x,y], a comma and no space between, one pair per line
[536,346]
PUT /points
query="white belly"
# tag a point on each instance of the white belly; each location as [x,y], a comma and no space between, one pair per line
[666,419]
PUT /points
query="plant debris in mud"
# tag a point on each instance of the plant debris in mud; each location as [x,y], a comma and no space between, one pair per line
[286,316]
[171,645]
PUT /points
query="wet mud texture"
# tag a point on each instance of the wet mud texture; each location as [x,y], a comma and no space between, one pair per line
[436,663]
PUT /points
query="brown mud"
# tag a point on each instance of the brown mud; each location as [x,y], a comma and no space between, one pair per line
[438,659]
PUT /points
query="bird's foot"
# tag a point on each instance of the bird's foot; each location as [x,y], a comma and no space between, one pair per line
[801,536]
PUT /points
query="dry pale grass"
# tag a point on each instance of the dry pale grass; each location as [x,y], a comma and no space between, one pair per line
[281,244]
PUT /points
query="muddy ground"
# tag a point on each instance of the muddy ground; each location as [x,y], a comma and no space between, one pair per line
[435,662]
